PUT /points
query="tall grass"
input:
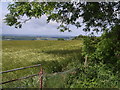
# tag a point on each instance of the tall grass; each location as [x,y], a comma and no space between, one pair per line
[53,55]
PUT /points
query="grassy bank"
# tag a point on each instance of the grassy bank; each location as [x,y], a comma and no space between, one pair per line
[53,55]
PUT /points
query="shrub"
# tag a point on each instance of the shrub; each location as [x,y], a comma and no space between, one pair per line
[61,39]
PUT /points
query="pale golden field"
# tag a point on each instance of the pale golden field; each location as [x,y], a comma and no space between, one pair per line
[16,54]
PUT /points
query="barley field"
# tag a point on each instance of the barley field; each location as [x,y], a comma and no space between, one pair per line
[52,54]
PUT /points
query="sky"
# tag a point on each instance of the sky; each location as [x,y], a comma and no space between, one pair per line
[37,27]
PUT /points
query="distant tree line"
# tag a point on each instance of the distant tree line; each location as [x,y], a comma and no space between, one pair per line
[62,39]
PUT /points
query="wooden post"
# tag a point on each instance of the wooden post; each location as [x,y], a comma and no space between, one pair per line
[40,76]
[86,61]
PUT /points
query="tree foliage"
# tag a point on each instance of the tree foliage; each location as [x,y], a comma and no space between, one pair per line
[92,14]
[103,53]
[96,16]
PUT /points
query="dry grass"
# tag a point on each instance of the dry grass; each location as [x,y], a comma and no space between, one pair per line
[25,53]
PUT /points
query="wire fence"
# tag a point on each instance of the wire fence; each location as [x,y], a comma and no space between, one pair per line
[57,80]
[39,80]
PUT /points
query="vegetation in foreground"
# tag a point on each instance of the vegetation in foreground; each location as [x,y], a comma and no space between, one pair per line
[55,56]
[102,55]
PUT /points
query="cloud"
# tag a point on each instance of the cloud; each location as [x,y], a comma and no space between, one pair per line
[38,27]
[0,13]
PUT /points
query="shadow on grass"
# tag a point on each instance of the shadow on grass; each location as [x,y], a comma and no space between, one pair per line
[50,66]
[62,52]
[58,66]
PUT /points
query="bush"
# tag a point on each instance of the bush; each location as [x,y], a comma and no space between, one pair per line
[96,76]
[61,39]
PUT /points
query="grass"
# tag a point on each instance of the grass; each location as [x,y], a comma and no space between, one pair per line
[53,55]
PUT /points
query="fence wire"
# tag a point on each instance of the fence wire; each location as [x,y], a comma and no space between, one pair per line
[57,80]
[54,80]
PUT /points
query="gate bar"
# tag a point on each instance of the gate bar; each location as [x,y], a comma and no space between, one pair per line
[20,68]
[19,78]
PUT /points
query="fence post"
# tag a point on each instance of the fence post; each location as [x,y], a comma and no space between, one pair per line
[40,76]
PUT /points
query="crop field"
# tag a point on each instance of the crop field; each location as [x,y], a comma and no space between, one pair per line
[53,55]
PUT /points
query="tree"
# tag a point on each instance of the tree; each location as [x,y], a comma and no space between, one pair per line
[62,39]
[97,16]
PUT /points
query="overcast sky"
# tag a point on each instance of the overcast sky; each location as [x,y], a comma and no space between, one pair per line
[37,27]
